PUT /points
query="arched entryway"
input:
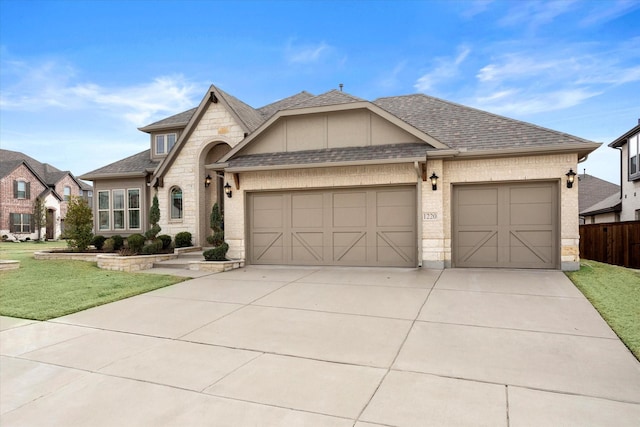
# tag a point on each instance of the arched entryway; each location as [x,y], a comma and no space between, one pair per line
[213,193]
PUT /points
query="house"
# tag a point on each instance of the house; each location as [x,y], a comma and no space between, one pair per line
[334,179]
[23,179]
[629,146]
[598,200]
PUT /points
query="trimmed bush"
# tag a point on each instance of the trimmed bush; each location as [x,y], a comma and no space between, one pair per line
[166,241]
[118,242]
[218,253]
[152,248]
[98,242]
[109,245]
[136,243]
[183,239]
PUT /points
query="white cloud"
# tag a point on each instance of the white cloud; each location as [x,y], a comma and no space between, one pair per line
[534,14]
[306,54]
[55,84]
[445,70]
[530,102]
[602,11]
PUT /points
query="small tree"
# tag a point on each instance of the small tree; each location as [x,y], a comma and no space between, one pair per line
[79,224]
[220,247]
[154,218]
[39,215]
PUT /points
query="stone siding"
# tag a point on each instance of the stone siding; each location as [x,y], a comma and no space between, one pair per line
[187,171]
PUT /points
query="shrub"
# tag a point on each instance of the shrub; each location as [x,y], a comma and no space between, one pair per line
[136,243]
[79,224]
[118,242]
[183,239]
[220,248]
[152,248]
[98,242]
[154,218]
[109,245]
[166,241]
[219,253]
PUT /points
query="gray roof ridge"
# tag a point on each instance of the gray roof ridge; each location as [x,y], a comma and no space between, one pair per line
[251,123]
[606,204]
[455,104]
[147,151]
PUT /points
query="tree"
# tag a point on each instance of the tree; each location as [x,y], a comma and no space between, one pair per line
[154,218]
[220,247]
[39,215]
[79,224]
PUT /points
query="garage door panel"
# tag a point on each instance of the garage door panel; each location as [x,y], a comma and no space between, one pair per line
[268,247]
[526,225]
[334,227]
[307,211]
[307,247]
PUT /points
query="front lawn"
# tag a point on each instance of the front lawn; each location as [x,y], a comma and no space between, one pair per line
[615,292]
[42,290]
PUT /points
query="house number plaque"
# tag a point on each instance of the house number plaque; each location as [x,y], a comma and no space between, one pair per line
[427,216]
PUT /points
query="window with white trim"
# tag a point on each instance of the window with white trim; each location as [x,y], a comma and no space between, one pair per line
[176,203]
[118,209]
[67,193]
[103,210]
[133,205]
[634,157]
[164,143]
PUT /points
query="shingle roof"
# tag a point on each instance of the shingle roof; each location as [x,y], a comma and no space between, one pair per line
[592,190]
[138,163]
[613,203]
[622,139]
[177,120]
[284,104]
[251,118]
[333,97]
[46,172]
[333,155]
[462,127]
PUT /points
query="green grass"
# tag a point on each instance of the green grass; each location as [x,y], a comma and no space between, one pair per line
[43,290]
[615,292]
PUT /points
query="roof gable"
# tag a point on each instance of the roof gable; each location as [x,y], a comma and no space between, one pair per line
[621,140]
[46,173]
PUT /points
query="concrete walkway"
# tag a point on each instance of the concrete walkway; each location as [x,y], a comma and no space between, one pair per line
[281,346]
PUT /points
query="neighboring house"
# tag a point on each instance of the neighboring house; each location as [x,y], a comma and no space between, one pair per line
[22,180]
[599,200]
[338,180]
[629,146]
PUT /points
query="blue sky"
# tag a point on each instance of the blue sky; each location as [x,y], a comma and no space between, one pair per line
[77,77]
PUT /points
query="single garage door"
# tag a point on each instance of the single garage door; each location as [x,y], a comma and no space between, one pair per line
[506,225]
[350,227]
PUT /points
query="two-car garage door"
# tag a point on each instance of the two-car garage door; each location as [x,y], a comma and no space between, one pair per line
[350,227]
[512,225]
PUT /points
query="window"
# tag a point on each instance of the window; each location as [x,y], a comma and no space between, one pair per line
[634,157]
[20,223]
[103,210]
[133,203]
[67,193]
[164,143]
[21,190]
[176,203]
[118,209]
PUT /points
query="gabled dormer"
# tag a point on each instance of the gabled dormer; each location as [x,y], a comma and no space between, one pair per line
[164,134]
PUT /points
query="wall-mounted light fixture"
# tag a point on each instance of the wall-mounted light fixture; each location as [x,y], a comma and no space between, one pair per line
[570,178]
[207,180]
[227,190]
[434,181]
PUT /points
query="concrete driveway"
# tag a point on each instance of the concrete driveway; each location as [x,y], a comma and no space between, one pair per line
[282,346]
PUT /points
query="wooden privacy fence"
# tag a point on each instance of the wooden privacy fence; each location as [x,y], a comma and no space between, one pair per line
[615,243]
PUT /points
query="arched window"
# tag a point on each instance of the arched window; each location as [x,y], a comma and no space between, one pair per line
[176,203]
